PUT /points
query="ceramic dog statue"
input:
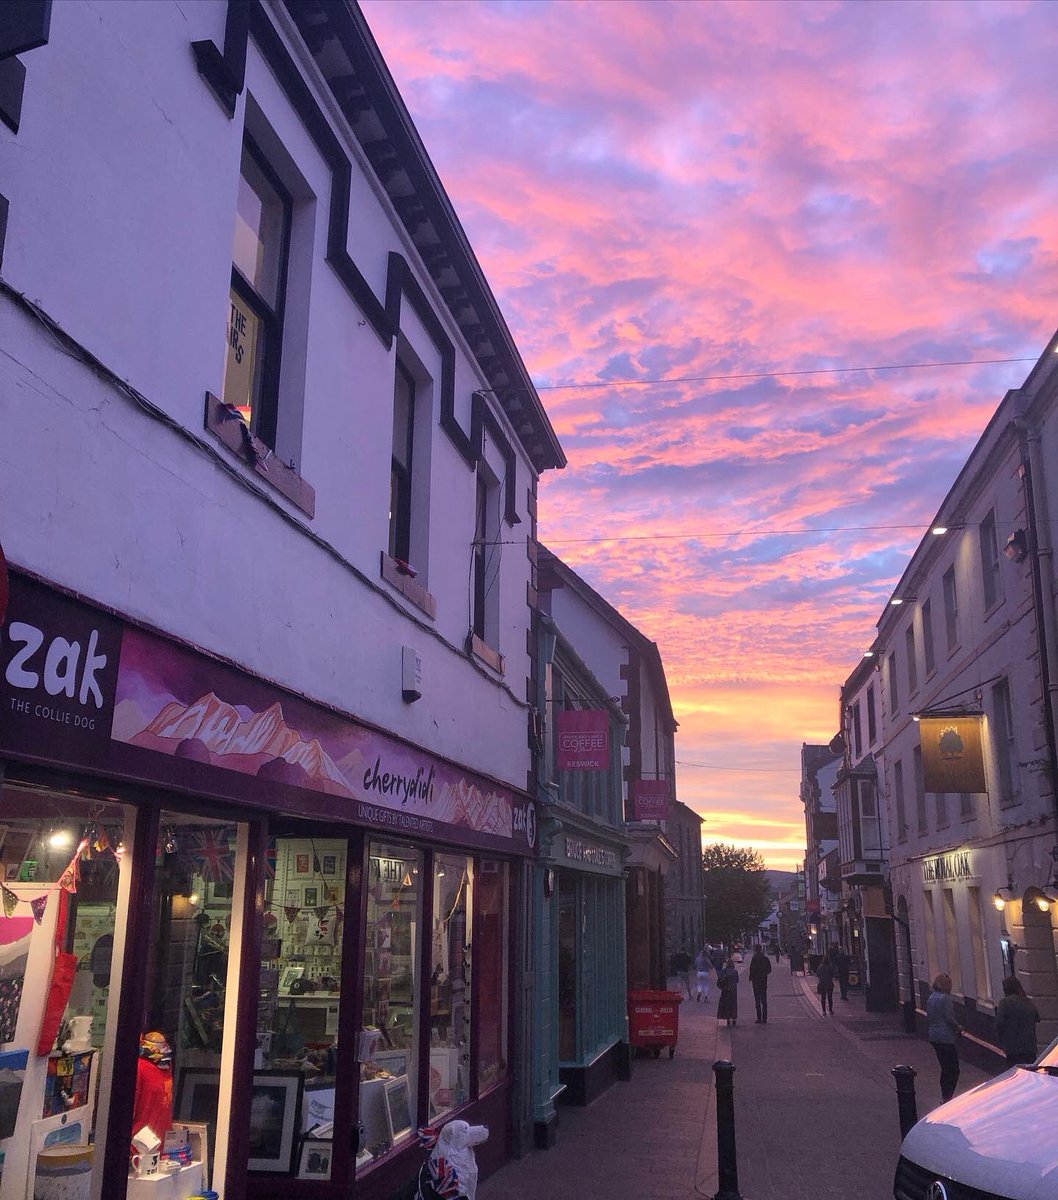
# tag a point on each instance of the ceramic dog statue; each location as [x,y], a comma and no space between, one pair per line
[451,1171]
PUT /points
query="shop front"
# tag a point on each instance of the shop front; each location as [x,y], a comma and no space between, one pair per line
[583,1034]
[247,943]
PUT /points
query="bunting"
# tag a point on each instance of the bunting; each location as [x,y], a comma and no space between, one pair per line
[10,901]
[38,904]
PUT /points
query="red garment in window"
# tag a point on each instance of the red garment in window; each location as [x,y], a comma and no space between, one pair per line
[154,1098]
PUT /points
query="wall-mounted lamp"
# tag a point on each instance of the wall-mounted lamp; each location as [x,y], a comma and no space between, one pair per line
[939,530]
[868,654]
[1017,546]
[1003,896]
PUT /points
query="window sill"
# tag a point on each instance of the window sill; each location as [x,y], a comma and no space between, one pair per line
[412,591]
[483,651]
[231,431]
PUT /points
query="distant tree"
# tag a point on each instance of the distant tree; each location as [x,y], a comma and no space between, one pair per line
[738,896]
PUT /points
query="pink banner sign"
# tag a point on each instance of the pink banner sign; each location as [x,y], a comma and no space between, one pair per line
[583,740]
[650,799]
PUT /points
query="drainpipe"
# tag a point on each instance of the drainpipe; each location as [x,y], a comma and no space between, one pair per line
[1042,554]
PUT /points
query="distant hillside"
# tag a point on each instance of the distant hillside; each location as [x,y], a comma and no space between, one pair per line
[781,881]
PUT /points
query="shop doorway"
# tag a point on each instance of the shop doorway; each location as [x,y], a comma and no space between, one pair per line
[1036,963]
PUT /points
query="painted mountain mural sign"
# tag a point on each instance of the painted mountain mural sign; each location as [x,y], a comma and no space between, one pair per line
[88,691]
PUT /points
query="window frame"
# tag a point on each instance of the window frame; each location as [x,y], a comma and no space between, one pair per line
[264,420]
[894,689]
[991,574]
[1005,743]
[951,608]
[912,659]
[400,499]
[928,648]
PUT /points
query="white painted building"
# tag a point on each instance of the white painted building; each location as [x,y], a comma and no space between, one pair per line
[268,461]
[964,652]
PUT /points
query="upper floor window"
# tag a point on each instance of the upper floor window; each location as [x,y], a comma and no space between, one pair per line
[920,789]
[901,803]
[951,609]
[894,693]
[258,283]
[1005,749]
[486,558]
[990,577]
[872,719]
[400,478]
[912,660]
[927,637]
[857,735]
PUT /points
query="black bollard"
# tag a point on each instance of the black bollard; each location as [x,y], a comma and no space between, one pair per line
[905,1097]
[727,1156]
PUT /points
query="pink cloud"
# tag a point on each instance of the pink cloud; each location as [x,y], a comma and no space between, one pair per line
[662,190]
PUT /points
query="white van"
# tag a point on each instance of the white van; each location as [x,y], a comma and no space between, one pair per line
[996,1142]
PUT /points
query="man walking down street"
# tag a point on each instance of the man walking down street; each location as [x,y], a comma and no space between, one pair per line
[681,965]
[842,962]
[759,970]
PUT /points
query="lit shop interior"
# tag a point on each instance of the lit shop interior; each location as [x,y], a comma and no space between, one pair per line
[433,970]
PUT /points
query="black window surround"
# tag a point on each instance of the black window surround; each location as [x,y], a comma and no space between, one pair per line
[265,390]
[402,465]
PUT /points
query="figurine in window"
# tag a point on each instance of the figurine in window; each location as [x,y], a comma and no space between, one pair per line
[153,1107]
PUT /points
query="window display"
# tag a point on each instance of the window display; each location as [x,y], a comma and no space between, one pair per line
[196,866]
[298,1005]
[389,1044]
[491,941]
[450,999]
[61,860]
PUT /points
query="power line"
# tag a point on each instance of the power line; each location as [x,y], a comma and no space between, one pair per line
[710,533]
[752,770]
[919,366]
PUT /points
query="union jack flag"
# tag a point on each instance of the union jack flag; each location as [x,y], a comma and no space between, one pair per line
[212,855]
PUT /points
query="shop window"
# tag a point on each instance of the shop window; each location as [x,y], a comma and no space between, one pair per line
[188,981]
[568,953]
[63,874]
[977,941]
[450,984]
[951,938]
[490,946]
[929,920]
[258,283]
[300,988]
[391,1014]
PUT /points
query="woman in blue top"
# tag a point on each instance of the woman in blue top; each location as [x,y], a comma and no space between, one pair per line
[943,1030]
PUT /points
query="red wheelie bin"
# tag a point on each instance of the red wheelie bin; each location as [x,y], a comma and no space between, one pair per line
[654,1020]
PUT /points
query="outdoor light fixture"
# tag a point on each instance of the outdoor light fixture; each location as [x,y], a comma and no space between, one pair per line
[896,600]
[939,530]
[1003,897]
[1017,546]
[868,654]
[1043,901]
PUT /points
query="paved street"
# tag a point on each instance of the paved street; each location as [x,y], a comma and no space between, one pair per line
[816,1112]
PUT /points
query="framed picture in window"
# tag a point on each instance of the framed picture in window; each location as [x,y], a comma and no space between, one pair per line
[275,1111]
[398,1107]
[314,1161]
[329,864]
[302,864]
[311,896]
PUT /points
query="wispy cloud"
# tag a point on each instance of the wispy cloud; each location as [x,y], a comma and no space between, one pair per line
[686,189]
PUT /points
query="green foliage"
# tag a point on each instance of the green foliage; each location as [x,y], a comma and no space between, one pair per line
[737,893]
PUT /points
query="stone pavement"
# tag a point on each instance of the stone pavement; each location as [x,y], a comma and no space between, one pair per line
[815,1109]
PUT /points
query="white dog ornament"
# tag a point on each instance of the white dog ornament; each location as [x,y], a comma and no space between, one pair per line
[451,1171]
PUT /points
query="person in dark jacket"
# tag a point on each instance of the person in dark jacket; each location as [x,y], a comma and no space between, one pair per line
[681,965]
[759,970]
[727,982]
[943,1031]
[1016,1021]
[825,984]
[842,963]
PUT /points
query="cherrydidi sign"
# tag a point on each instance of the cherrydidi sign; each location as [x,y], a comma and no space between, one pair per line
[583,740]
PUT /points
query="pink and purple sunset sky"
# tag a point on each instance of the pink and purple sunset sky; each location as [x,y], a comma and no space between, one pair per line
[664,190]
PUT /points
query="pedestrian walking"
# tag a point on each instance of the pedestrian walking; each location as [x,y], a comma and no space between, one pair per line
[825,985]
[943,1030]
[702,966]
[759,970]
[727,982]
[719,958]
[681,965]
[843,963]
[1016,1021]
[777,951]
